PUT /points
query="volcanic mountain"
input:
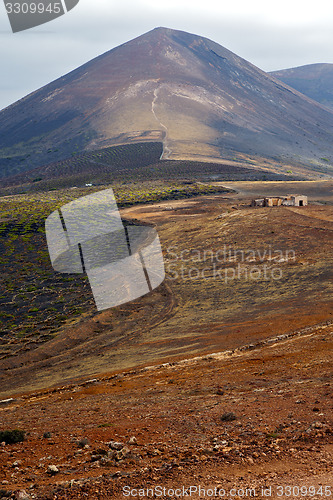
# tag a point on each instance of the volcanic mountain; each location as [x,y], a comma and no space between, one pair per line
[313,80]
[200,99]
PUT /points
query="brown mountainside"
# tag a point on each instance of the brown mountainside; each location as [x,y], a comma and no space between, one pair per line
[202,100]
[313,80]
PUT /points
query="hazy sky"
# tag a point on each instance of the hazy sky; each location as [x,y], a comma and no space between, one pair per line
[271,35]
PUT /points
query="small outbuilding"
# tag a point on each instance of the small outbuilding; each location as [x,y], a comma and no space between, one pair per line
[295,200]
[258,203]
[291,200]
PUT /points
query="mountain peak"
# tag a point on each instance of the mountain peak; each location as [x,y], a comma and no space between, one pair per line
[200,99]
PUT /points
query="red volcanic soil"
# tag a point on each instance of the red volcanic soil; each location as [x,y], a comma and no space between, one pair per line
[236,399]
[255,418]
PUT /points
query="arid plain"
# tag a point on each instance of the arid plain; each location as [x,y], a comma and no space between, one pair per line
[223,375]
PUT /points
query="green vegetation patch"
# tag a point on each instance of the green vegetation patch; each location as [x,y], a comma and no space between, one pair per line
[35,301]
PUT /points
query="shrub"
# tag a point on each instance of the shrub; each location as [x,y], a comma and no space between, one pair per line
[272,435]
[228,417]
[33,309]
[11,437]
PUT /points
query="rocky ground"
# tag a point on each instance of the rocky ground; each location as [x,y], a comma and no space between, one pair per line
[252,417]
[255,421]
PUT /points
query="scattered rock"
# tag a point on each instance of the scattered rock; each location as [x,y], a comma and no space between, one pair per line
[83,443]
[5,402]
[106,462]
[115,445]
[90,382]
[317,425]
[132,440]
[52,470]
[124,453]
[98,454]
[22,495]
[112,454]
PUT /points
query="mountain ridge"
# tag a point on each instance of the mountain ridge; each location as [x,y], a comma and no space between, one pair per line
[313,80]
[202,100]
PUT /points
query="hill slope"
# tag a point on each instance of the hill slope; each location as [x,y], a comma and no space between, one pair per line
[313,80]
[202,100]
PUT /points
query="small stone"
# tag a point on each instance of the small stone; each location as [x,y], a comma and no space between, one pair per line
[83,442]
[113,454]
[6,401]
[318,425]
[106,462]
[132,440]
[22,495]
[123,453]
[115,445]
[53,470]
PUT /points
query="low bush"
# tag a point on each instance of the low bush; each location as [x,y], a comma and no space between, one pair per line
[12,437]
[228,417]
